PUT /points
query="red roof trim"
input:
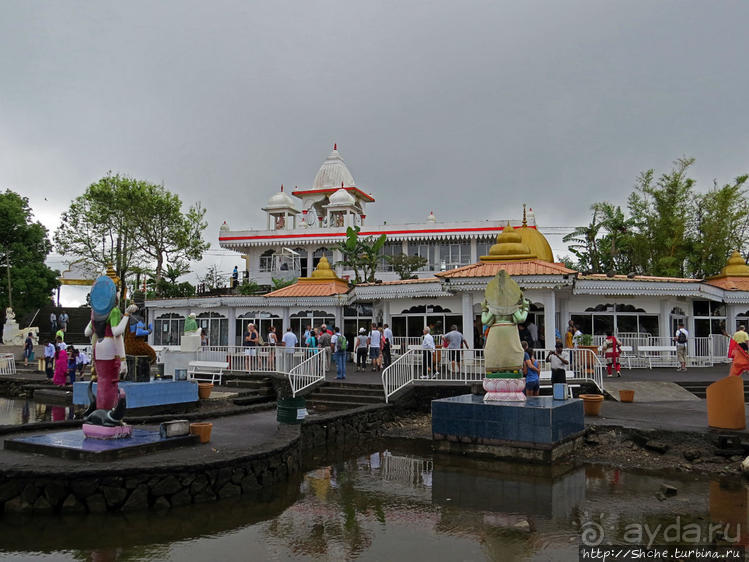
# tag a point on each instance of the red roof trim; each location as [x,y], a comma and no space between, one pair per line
[299,192]
[366,233]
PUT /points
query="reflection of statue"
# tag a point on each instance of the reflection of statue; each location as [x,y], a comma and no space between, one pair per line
[106,328]
[504,307]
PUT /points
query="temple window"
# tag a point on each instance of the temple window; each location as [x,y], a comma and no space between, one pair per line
[262,320]
[355,317]
[390,249]
[216,326]
[168,328]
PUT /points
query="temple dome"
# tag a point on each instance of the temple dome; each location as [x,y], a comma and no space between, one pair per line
[323,271]
[280,200]
[333,172]
[342,198]
[536,242]
[509,247]
[735,267]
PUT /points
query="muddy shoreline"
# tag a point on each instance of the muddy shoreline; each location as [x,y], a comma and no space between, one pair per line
[653,451]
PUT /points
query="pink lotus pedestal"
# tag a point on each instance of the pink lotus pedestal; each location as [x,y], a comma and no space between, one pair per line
[102,432]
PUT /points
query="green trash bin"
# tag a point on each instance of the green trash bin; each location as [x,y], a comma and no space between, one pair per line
[291,410]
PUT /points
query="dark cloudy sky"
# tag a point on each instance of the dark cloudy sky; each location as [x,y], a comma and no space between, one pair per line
[467,108]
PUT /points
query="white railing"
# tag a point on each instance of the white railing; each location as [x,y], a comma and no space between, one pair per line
[7,364]
[467,366]
[402,344]
[584,362]
[259,359]
[701,351]
[720,345]
[310,371]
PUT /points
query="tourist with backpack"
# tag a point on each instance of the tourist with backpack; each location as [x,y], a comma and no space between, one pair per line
[681,338]
[362,346]
[339,345]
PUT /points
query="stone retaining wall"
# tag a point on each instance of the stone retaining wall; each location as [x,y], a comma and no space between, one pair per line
[27,491]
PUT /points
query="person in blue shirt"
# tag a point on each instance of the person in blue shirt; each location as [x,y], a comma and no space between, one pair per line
[530,367]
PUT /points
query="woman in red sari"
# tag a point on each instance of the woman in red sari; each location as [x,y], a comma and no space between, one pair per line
[611,351]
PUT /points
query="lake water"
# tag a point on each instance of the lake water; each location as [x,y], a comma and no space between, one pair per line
[17,411]
[394,502]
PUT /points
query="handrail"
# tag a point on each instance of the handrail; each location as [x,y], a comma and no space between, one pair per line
[258,359]
[585,363]
[400,373]
[309,372]
[7,364]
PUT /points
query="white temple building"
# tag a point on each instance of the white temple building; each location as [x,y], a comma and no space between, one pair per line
[304,225]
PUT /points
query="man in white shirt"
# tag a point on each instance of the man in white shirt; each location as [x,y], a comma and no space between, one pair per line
[558,361]
[49,359]
[290,341]
[375,337]
[577,339]
[681,337]
[427,353]
[386,357]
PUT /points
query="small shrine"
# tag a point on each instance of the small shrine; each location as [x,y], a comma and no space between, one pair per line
[281,212]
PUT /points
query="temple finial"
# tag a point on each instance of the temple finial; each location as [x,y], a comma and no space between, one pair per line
[281,187]
[525,222]
[335,146]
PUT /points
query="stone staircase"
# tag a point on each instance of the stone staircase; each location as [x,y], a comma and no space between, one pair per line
[333,396]
[699,388]
[253,389]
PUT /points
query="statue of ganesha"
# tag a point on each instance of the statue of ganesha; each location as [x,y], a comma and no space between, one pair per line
[503,309]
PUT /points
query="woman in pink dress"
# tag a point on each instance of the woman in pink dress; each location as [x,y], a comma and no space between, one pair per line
[61,366]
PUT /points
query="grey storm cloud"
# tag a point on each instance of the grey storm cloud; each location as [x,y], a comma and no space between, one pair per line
[465,108]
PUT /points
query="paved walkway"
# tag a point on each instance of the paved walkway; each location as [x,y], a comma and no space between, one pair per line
[232,436]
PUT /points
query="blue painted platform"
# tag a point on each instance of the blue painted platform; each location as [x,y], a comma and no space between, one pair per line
[539,420]
[75,445]
[145,394]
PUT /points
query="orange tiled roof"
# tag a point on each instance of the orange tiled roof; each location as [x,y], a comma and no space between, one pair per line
[604,277]
[730,283]
[529,267]
[305,288]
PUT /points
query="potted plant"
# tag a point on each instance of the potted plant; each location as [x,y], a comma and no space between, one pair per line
[592,404]
[586,342]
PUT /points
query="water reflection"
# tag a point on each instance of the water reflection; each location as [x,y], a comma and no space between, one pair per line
[394,504]
[20,411]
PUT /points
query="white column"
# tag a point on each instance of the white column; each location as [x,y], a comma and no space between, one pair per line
[474,251]
[231,314]
[664,320]
[731,310]
[267,222]
[285,317]
[386,313]
[337,257]
[310,267]
[466,303]
[550,319]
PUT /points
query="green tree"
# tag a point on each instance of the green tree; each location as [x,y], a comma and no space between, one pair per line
[721,224]
[130,223]
[405,266]
[361,254]
[661,212]
[281,283]
[24,244]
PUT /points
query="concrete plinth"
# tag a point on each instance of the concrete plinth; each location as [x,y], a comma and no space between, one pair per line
[145,394]
[541,429]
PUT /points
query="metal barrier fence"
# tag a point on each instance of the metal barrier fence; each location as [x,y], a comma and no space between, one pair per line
[7,364]
[309,372]
[466,366]
[259,359]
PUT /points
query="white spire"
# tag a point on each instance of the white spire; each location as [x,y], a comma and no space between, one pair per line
[332,172]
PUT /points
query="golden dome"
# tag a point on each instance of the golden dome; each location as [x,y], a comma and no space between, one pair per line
[323,271]
[509,247]
[536,242]
[735,267]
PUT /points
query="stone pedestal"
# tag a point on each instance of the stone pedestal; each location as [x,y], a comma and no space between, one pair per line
[189,343]
[539,429]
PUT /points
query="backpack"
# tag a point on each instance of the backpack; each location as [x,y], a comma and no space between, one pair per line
[681,337]
[341,343]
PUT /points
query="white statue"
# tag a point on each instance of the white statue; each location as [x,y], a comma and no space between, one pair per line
[13,335]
